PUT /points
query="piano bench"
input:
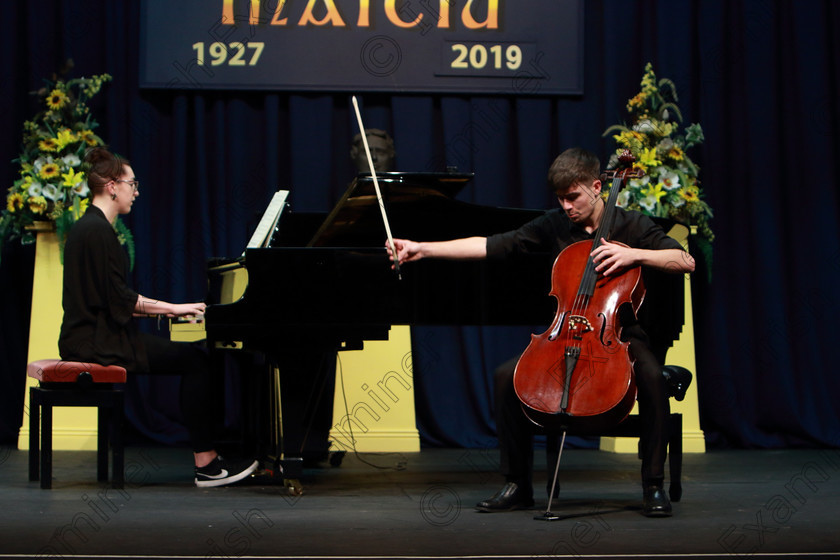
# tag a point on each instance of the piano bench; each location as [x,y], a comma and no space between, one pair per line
[64,383]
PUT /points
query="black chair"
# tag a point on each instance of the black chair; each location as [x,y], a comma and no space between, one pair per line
[678,380]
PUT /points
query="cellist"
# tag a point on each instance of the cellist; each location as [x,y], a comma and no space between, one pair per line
[574,178]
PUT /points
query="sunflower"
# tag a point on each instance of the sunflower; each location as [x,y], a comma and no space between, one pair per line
[49,170]
[690,194]
[88,136]
[56,99]
[48,145]
[14,202]
[37,204]
[675,153]
[48,180]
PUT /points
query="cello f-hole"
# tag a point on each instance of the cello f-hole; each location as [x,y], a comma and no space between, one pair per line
[559,327]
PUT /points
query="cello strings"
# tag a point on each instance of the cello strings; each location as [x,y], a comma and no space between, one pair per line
[589,278]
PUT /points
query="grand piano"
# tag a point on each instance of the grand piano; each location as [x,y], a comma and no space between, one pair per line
[324,284]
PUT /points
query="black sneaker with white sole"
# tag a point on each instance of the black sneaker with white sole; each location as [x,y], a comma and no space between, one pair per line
[220,472]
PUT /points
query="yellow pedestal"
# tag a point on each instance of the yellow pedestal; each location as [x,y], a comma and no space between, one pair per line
[74,428]
[680,354]
[373,408]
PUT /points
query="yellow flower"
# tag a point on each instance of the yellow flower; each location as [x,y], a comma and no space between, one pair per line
[649,79]
[637,102]
[14,202]
[88,136]
[48,145]
[663,128]
[647,159]
[83,206]
[675,153]
[72,178]
[65,136]
[37,204]
[56,99]
[690,194]
[630,139]
[49,170]
[654,191]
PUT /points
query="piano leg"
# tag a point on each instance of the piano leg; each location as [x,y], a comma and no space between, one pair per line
[289,468]
[292,408]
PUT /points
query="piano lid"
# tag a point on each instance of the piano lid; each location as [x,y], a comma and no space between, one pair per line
[356,220]
[420,206]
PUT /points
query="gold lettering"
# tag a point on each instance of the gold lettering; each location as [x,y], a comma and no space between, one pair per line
[276,19]
[492,21]
[394,17]
[443,14]
[332,16]
[254,16]
[364,13]
[227,12]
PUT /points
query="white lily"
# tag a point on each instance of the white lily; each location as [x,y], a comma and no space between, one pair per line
[35,189]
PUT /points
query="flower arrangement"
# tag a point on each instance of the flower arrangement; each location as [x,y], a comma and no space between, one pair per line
[670,187]
[52,186]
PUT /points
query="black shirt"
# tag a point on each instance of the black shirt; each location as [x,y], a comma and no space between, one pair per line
[98,304]
[661,313]
[554,231]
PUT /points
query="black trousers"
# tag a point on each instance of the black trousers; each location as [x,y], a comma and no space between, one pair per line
[192,363]
[516,431]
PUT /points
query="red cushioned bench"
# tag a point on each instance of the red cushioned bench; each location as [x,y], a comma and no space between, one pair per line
[65,383]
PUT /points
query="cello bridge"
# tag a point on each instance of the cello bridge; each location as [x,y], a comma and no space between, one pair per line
[578,326]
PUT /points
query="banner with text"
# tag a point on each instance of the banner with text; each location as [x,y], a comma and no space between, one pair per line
[521,47]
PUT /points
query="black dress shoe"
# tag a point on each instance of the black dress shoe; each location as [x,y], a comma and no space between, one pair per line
[509,498]
[656,502]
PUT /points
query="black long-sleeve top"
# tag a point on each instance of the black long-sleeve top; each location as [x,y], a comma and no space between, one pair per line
[98,303]
[661,315]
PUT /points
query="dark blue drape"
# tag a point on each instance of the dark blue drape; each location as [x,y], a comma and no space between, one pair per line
[760,76]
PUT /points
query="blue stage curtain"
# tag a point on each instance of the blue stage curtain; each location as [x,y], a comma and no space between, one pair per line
[761,77]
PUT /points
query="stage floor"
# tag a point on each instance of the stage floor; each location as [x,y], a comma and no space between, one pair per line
[758,504]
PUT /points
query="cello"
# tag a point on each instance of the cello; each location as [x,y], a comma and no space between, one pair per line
[578,374]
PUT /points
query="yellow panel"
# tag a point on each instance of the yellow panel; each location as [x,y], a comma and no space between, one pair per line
[374,397]
[74,428]
[680,354]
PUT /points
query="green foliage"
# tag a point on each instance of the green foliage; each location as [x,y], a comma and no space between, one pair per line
[51,186]
[670,187]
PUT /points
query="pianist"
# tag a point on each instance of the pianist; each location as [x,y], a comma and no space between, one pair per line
[574,178]
[99,306]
